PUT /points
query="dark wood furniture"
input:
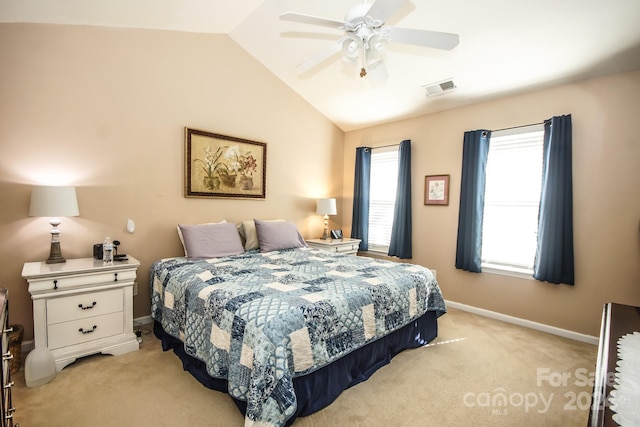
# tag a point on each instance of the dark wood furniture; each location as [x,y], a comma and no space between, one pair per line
[617,320]
[6,406]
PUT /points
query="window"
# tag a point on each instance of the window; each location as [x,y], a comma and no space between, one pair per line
[512,199]
[382,196]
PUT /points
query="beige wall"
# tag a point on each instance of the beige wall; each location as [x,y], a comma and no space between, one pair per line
[105,110]
[606,171]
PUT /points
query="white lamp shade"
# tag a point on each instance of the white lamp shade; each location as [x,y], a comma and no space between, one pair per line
[53,201]
[326,207]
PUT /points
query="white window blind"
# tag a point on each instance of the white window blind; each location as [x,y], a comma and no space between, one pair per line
[382,196]
[512,198]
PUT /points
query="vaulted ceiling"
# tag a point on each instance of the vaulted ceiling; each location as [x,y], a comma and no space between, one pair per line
[506,47]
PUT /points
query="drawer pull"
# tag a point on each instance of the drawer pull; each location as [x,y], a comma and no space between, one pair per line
[55,284]
[9,330]
[87,307]
[87,331]
[8,385]
[7,356]
[116,277]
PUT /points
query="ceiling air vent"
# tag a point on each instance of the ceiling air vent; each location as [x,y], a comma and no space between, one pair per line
[440,87]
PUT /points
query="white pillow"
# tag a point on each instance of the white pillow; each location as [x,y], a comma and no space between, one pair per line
[241,233]
[182,238]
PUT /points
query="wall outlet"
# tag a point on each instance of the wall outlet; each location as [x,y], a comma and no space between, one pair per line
[135,288]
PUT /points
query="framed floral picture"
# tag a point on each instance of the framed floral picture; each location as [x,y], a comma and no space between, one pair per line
[224,166]
[436,190]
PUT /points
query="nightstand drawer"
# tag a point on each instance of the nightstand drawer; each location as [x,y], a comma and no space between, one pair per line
[349,247]
[81,280]
[84,330]
[343,246]
[84,305]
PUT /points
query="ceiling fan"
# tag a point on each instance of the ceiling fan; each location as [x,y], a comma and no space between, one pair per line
[365,36]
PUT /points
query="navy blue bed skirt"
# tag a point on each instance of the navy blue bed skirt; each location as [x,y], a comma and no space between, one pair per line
[318,389]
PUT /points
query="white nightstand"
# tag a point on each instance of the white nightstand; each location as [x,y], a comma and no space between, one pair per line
[80,307]
[345,246]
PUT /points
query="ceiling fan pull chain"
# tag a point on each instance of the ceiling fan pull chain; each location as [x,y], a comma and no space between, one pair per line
[363,71]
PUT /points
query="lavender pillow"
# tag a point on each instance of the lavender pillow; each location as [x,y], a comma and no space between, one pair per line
[182,238]
[277,235]
[211,240]
[250,235]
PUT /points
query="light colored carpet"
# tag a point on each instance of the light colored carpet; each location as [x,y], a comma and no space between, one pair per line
[478,372]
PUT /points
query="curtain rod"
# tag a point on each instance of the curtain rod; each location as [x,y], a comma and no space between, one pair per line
[516,127]
[381,146]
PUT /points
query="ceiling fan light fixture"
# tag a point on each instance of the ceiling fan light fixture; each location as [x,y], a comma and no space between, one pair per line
[350,49]
[365,35]
[376,45]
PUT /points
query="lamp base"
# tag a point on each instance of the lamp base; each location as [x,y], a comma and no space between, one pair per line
[325,234]
[55,254]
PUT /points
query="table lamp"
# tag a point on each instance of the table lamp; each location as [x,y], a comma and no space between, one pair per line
[54,202]
[326,207]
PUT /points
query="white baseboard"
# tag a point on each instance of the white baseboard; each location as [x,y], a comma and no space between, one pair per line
[27,346]
[144,320]
[589,339]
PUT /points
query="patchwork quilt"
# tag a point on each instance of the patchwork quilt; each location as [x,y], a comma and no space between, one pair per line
[260,319]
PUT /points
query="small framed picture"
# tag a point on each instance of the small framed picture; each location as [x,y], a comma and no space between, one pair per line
[336,234]
[436,190]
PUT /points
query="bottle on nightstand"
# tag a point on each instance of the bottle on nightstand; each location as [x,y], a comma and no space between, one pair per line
[107,251]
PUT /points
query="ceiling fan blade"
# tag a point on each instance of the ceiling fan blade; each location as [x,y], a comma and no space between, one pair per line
[434,39]
[308,19]
[383,9]
[308,35]
[318,58]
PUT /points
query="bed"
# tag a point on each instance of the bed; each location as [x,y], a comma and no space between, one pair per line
[283,328]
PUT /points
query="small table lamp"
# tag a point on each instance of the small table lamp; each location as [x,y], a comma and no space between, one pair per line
[54,202]
[326,207]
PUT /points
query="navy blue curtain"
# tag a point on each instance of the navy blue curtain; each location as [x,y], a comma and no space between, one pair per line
[474,167]
[362,183]
[400,244]
[554,255]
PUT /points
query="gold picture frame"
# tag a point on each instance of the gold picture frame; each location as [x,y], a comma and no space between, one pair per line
[224,166]
[436,190]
